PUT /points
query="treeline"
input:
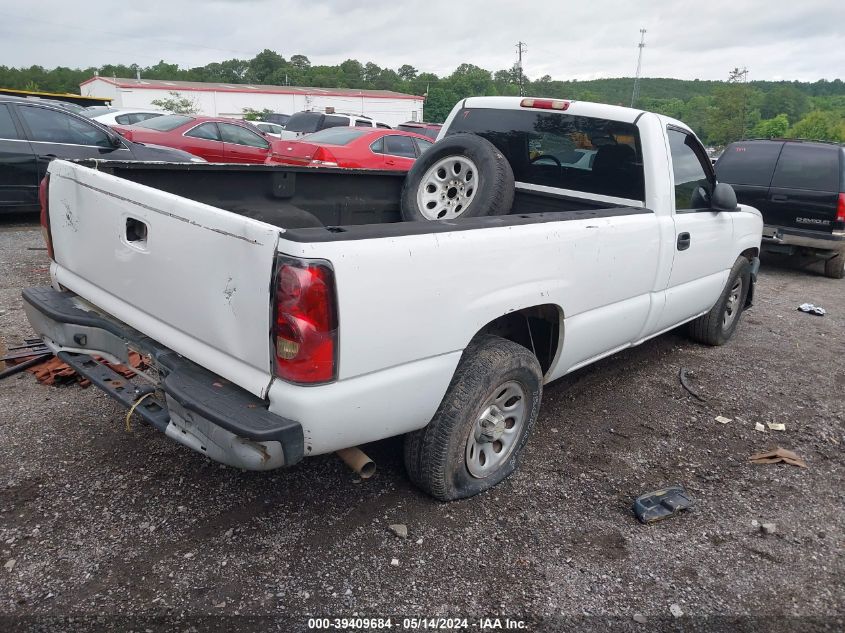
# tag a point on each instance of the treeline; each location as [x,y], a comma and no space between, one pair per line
[719,111]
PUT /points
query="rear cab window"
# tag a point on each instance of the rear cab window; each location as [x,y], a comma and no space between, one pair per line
[810,166]
[748,163]
[564,151]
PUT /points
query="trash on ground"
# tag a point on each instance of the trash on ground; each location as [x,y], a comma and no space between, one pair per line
[399,529]
[722,419]
[768,528]
[776,426]
[778,455]
[661,504]
[759,427]
[811,309]
[676,610]
[683,375]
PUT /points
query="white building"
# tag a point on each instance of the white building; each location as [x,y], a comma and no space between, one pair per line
[229,100]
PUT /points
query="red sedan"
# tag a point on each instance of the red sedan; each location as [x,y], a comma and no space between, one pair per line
[215,139]
[352,147]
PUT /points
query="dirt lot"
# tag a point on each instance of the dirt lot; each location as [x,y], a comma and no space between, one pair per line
[111,530]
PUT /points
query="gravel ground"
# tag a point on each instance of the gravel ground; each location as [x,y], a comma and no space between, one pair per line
[101,529]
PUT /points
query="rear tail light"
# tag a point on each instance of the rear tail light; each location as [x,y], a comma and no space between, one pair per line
[323,158]
[840,212]
[44,199]
[545,104]
[305,321]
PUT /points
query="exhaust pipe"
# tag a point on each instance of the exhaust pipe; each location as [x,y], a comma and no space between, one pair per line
[358,461]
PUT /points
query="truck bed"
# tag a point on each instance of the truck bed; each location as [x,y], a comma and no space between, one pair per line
[325,204]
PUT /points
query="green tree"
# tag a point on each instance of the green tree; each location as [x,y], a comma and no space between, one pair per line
[177,104]
[250,114]
[300,62]
[264,65]
[785,99]
[407,72]
[776,127]
[821,126]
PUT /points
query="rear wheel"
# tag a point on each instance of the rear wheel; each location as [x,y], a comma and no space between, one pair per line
[717,326]
[475,438]
[835,267]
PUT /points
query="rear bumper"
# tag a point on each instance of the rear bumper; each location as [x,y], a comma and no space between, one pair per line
[804,238]
[187,402]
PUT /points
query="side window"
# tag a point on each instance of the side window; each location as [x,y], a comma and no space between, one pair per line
[363,123]
[241,136]
[422,145]
[207,131]
[51,126]
[7,125]
[124,119]
[143,116]
[692,179]
[806,166]
[383,125]
[749,163]
[399,146]
[378,146]
[334,121]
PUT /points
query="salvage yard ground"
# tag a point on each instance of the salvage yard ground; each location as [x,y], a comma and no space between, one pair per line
[96,522]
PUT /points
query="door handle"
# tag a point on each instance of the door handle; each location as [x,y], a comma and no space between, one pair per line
[684,240]
[780,197]
[390,162]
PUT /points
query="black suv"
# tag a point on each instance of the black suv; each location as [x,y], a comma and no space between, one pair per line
[34,132]
[799,187]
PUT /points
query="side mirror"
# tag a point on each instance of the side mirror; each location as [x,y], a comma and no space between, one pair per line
[723,198]
[115,140]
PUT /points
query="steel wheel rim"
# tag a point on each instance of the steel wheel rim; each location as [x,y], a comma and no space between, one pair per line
[732,306]
[496,431]
[447,188]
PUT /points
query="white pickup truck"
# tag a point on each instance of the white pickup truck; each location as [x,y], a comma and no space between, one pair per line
[289,312]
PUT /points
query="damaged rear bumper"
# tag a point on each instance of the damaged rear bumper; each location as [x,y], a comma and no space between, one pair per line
[186,402]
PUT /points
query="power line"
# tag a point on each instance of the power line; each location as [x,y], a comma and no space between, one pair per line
[636,93]
[521,48]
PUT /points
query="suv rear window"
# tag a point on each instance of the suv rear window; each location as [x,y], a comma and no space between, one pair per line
[304,122]
[748,163]
[563,150]
[808,166]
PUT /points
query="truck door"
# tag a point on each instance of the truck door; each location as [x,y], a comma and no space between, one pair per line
[703,253]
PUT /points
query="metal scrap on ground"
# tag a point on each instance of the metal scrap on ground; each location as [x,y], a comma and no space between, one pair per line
[661,504]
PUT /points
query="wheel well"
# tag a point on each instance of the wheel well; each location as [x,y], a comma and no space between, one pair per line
[750,254]
[536,328]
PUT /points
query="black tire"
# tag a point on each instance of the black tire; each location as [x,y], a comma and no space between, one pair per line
[493,185]
[436,455]
[717,326]
[835,267]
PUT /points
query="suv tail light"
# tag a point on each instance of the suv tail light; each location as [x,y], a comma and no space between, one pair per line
[840,213]
[44,199]
[323,158]
[305,321]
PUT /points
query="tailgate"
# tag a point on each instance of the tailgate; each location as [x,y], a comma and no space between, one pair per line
[193,277]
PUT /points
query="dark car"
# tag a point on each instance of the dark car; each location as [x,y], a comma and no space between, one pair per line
[799,187]
[431,130]
[277,118]
[32,133]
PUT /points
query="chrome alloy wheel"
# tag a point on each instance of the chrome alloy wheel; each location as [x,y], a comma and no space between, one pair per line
[497,430]
[732,307]
[447,188]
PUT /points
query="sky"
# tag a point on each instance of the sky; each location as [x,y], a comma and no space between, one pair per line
[775,39]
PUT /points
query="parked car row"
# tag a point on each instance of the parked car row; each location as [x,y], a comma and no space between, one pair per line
[33,132]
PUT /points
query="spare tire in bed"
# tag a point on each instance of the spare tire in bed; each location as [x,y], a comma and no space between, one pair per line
[460,176]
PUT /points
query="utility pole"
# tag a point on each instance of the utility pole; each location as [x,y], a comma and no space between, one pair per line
[636,93]
[521,48]
[737,76]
